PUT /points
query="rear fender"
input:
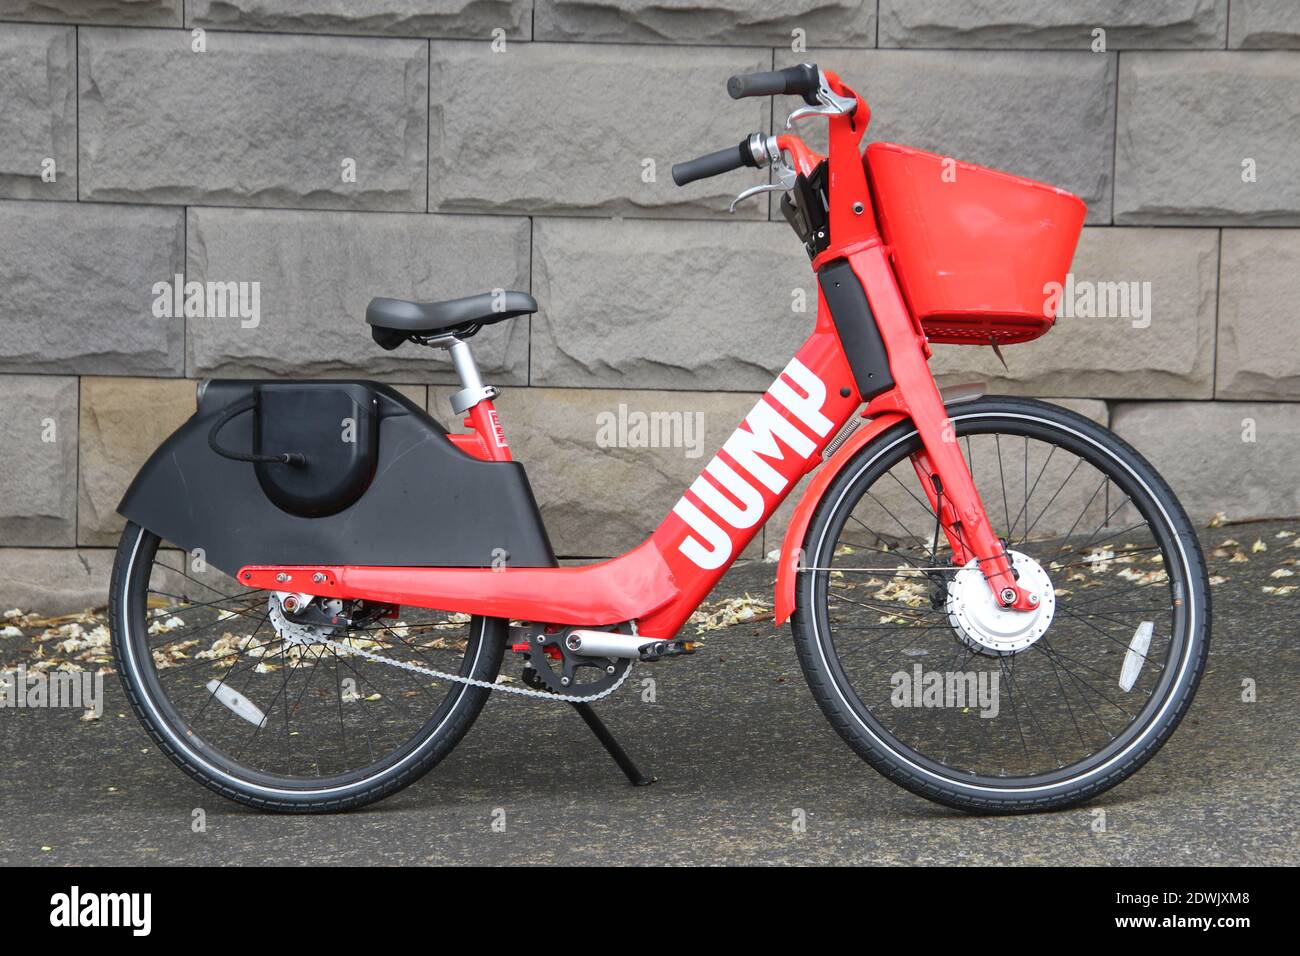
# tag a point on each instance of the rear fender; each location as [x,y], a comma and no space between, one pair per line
[428,504]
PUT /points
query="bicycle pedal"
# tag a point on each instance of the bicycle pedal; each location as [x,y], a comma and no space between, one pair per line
[661,649]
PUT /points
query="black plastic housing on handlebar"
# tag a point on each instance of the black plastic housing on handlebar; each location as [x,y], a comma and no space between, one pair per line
[714,164]
[802,80]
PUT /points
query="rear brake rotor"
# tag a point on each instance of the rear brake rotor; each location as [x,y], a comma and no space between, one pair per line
[282,606]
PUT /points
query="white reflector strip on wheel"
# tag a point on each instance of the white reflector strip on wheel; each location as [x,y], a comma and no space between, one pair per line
[240,705]
[1135,656]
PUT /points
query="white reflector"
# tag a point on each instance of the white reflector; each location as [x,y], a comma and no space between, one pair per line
[1136,656]
[238,704]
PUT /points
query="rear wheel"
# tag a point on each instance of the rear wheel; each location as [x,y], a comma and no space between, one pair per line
[988,710]
[271,716]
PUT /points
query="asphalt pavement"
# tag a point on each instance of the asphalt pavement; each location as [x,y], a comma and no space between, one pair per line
[749,772]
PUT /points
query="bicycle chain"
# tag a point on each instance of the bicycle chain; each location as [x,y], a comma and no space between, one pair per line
[470,681]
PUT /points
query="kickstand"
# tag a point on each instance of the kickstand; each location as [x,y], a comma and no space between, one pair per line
[631,770]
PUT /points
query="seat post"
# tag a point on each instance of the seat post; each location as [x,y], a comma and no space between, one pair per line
[472,390]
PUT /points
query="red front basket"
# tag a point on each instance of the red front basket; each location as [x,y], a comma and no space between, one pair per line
[975,250]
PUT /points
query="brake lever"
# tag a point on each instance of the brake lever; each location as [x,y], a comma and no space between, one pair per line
[754,191]
[785,173]
[830,103]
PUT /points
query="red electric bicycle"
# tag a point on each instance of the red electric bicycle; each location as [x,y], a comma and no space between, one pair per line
[318,584]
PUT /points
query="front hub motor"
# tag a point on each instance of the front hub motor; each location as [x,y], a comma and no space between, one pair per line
[983,624]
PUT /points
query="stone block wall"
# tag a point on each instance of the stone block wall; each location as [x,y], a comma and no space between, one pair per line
[331,152]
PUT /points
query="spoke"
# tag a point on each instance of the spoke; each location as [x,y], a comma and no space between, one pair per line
[290,668]
[269,711]
[178,669]
[250,601]
[1111,638]
[1104,522]
[906,531]
[1029,492]
[338,685]
[897,552]
[1011,533]
[1057,653]
[1006,509]
[1033,525]
[1011,670]
[859,647]
[1086,505]
[908,628]
[925,507]
[1118,554]
[186,633]
[1042,648]
[244,647]
[202,584]
[1014,712]
[887,608]
[427,663]
[1066,700]
[1115,595]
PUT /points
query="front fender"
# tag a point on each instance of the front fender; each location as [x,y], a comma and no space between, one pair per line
[792,547]
[787,571]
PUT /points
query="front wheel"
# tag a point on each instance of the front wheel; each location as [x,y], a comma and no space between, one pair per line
[986,710]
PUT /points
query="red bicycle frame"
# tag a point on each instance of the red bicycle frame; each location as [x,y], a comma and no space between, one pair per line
[660,583]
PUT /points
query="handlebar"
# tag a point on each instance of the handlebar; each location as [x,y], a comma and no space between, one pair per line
[757,151]
[714,164]
[802,80]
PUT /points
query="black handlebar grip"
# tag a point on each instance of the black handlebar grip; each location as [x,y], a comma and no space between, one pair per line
[802,80]
[723,161]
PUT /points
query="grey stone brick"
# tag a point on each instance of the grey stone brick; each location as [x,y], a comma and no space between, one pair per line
[75,288]
[38,66]
[54,580]
[38,465]
[317,271]
[824,22]
[1187,124]
[1258,348]
[1264,25]
[1200,450]
[692,305]
[1045,115]
[555,128]
[141,13]
[123,420]
[601,488]
[1115,356]
[410,18]
[257,120]
[1001,24]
